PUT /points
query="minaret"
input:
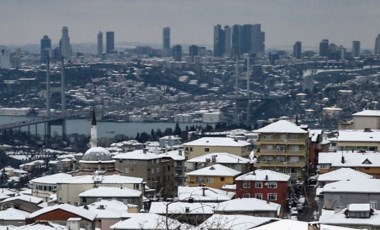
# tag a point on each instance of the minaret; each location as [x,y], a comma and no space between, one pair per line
[94,133]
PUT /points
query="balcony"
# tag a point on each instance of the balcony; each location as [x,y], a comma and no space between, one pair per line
[282,141]
[280,153]
[299,164]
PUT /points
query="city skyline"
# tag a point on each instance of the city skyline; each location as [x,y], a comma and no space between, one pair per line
[191,22]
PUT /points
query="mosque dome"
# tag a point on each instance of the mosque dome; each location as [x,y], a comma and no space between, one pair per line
[97,154]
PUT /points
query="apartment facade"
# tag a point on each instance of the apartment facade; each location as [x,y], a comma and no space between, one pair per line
[283,147]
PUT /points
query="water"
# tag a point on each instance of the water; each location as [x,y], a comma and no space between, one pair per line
[105,129]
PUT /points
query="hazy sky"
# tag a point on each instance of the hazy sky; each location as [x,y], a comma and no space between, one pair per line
[191,21]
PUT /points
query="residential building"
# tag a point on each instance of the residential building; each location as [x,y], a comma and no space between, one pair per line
[356,140]
[338,195]
[234,222]
[149,221]
[64,44]
[68,190]
[283,147]
[157,170]
[249,206]
[315,146]
[110,41]
[45,46]
[23,202]
[168,141]
[230,160]
[59,214]
[355,49]
[366,162]
[100,44]
[45,186]
[341,174]
[263,184]
[298,225]
[207,145]
[214,176]
[366,119]
[13,216]
[297,50]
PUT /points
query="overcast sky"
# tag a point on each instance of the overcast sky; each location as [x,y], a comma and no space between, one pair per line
[191,21]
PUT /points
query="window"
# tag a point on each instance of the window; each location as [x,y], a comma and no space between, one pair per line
[294,136]
[272,184]
[280,158]
[207,150]
[222,178]
[283,137]
[294,148]
[246,195]
[324,166]
[191,149]
[294,159]
[269,147]
[258,184]
[210,180]
[246,184]
[259,196]
[272,196]
[136,186]
[267,136]
[200,179]
[168,168]
[373,204]
[280,148]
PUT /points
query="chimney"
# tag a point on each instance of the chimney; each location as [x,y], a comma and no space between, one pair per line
[203,191]
[342,160]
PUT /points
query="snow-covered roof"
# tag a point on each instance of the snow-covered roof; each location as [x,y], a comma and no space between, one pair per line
[13,214]
[105,179]
[182,208]
[368,113]
[177,155]
[95,154]
[263,175]
[214,170]
[248,205]
[281,126]
[27,198]
[200,193]
[354,186]
[220,158]
[234,222]
[314,133]
[357,136]
[330,217]
[359,207]
[68,208]
[217,141]
[108,209]
[139,154]
[40,226]
[343,174]
[146,221]
[51,179]
[110,192]
[296,225]
[351,159]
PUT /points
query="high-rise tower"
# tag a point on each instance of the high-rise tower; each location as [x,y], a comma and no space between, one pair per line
[110,41]
[100,44]
[355,48]
[324,48]
[377,45]
[64,44]
[219,41]
[297,50]
[45,48]
[166,41]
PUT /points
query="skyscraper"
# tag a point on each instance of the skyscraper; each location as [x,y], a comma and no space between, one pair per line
[166,38]
[64,44]
[177,52]
[219,41]
[228,40]
[100,44]
[110,41]
[45,48]
[324,48]
[236,39]
[377,45]
[258,40]
[297,50]
[355,48]
[193,51]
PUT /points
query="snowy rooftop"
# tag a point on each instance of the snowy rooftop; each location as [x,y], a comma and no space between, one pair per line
[203,194]
[263,175]
[105,179]
[177,155]
[217,141]
[248,205]
[214,170]
[27,198]
[234,222]
[108,209]
[329,217]
[357,136]
[146,221]
[296,225]
[343,174]
[359,207]
[13,214]
[110,192]
[139,154]
[220,158]
[369,113]
[182,208]
[68,208]
[354,186]
[351,159]
[51,179]
[40,226]
[281,126]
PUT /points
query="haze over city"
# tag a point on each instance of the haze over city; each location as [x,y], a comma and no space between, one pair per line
[191,22]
